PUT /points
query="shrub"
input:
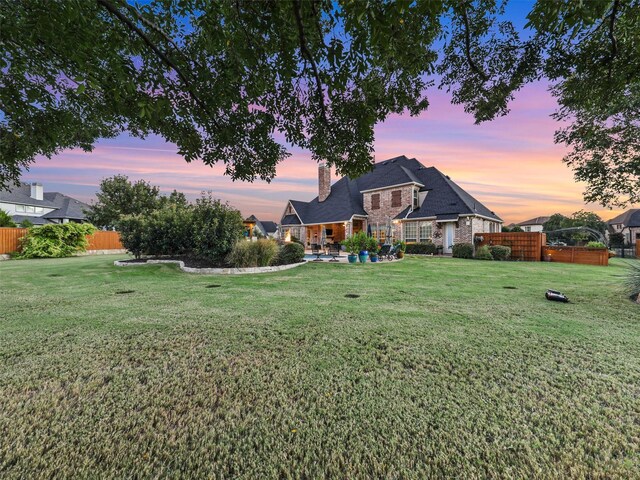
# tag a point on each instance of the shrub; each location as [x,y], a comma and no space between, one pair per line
[423,248]
[253,254]
[596,245]
[5,220]
[372,246]
[26,223]
[462,250]
[242,255]
[500,252]
[517,228]
[168,231]
[56,240]
[132,230]
[290,253]
[401,245]
[266,251]
[483,253]
[616,239]
[217,227]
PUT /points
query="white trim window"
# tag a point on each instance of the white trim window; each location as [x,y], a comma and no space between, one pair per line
[426,231]
[410,232]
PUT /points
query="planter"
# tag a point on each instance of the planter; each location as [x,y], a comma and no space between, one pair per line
[400,254]
[374,257]
[352,258]
[362,256]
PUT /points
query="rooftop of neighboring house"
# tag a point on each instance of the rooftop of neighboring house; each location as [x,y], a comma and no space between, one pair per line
[534,221]
[444,198]
[265,225]
[630,218]
[34,195]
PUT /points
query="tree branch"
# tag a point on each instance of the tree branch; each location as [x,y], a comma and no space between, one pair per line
[113,10]
[467,45]
[306,53]
[612,22]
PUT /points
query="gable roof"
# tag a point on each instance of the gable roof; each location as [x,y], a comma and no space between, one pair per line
[33,220]
[21,195]
[444,197]
[66,207]
[630,218]
[269,227]
[534,221]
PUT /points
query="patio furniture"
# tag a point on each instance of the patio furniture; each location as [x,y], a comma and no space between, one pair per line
[317,251]
[334,251]
[384,252]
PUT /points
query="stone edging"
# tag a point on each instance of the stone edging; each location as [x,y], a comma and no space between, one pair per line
[211,271]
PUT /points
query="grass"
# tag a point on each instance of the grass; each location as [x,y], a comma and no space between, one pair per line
[440,368]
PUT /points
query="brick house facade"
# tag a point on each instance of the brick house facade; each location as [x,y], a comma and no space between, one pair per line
[400,198]
[628,224]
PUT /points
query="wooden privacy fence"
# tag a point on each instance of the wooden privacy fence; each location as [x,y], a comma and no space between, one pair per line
[525,246]
[105,241]
[637,248]
[10,240]
[583,255]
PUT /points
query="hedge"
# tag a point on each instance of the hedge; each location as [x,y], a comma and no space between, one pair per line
[422,248]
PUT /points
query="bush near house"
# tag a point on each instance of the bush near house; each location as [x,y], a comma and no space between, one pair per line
[260,253]
[422,248]
[207,230]
[462,250]
[55,240]
[5,220]
[500,252]
[483,253]
[290,253]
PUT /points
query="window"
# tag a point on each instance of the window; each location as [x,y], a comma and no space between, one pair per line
[20,208]
[375,201]
[527,229]
[426,231]
[415,198]
[410,231]
[493,227]
[396,198]
[30,209]
[39,209]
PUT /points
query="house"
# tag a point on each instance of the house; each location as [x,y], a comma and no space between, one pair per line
[264,228]
[627,223]
[399,198]
[534,225]
[30,202]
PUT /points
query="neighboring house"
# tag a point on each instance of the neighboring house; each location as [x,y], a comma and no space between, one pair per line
[264,227]
[534,225]
[627,223]
[31,202]
[400,198]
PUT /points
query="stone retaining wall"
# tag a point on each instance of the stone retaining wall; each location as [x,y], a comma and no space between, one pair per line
[211,271]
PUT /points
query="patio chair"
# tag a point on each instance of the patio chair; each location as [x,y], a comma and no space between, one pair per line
[384,252]
[317,251]
[392,252]
[334,251]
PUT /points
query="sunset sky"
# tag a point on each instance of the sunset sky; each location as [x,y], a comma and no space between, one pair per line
[510,164]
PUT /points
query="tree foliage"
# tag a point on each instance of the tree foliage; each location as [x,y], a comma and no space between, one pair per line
[55,240]
[119,197]
[5,220]
[233,81]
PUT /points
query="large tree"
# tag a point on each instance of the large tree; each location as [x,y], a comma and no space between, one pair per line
[234,80]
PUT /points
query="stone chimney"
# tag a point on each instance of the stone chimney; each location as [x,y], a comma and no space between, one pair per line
[324,181]
[37,192]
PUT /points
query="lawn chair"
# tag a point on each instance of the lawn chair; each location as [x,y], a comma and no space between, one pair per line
[317,251]
[334,251]
[384,252]
[393,251]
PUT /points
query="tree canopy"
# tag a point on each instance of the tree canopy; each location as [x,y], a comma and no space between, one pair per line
[233,81]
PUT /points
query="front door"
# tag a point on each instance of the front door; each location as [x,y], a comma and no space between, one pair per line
[448,237]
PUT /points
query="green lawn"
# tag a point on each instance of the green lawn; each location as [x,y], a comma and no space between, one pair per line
[435,370]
